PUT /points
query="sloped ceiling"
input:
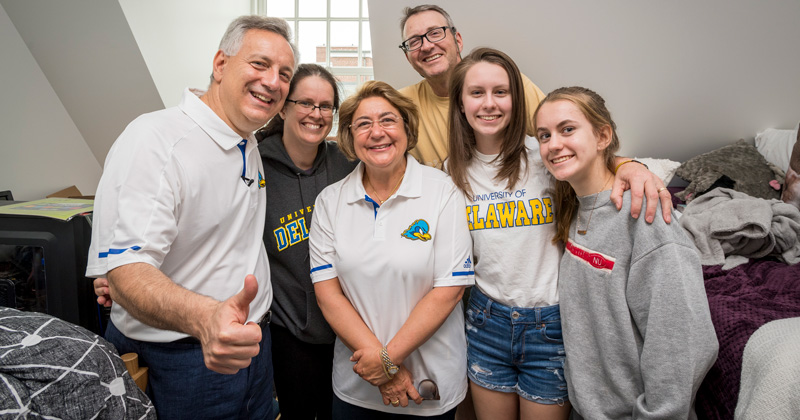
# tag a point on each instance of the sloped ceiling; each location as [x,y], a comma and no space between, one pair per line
[89,55]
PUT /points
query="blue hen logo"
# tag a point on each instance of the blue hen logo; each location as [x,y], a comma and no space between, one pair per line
[418,231]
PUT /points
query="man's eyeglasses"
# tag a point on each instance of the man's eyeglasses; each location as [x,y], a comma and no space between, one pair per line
[434,35]
[387,122]
[324,109]
[428,390]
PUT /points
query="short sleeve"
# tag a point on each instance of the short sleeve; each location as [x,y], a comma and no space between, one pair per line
[136,202]
[452,244]
[320,243]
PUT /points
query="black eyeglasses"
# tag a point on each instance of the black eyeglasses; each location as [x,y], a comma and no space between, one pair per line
[324,109]
[428,390]
[434,35]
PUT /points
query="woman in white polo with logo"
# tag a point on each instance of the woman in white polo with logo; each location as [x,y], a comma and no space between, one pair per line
[390,257]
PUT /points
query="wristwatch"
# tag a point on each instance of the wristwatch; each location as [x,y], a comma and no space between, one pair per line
[389,368]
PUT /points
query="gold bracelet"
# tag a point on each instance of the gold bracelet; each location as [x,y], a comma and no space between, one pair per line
[629,161]
[389,368]
[383,364]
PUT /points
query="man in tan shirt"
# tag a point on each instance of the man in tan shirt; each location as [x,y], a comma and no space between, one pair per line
[432,46]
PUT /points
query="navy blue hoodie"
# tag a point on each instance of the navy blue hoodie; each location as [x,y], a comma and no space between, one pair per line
[291,193]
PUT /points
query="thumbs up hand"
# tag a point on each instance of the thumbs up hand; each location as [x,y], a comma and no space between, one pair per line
[229,343]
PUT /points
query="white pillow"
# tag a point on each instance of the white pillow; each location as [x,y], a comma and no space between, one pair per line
[776,146]
[663,168]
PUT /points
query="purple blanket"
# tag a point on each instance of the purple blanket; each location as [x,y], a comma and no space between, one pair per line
[742,300]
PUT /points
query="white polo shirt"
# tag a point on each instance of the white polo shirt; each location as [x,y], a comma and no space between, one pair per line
[387,259]
[172,196]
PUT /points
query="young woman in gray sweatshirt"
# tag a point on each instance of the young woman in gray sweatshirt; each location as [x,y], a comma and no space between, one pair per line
[637,329]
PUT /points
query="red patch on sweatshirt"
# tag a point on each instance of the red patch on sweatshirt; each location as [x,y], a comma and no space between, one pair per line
[595,259]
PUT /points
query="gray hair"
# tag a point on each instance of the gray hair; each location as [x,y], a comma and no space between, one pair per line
[411,11]
[234,35]
[232,40]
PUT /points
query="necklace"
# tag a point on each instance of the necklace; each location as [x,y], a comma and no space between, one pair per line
[374,191]
[586,228]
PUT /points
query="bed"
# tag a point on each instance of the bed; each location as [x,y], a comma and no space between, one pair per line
[744,219]
[742,300]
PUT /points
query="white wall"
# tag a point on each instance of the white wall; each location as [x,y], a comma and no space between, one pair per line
[41,149]
[88,54]
[681,77]
[75,75]
[178,39]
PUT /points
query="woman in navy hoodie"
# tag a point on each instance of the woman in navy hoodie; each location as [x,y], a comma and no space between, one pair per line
[298,164]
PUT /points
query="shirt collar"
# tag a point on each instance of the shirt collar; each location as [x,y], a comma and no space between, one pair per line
[442,100]
[210,122]
[411,186]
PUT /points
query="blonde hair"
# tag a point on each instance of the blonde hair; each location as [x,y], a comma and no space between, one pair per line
[373,88]
[593,107]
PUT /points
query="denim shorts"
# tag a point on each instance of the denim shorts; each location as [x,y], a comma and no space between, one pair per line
[517,350]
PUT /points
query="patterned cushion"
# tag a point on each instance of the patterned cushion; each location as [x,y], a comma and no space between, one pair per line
[49,367]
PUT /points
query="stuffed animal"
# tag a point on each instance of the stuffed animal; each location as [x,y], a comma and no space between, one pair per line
[739,166]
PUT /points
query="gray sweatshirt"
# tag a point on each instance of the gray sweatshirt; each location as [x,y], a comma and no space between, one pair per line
[637,329]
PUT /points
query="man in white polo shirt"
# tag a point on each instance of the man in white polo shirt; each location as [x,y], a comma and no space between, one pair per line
[178,227]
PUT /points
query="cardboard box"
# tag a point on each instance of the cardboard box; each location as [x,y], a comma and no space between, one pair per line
[70,192]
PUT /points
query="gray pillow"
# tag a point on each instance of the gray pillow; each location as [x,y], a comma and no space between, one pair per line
[741,162]
[50,368]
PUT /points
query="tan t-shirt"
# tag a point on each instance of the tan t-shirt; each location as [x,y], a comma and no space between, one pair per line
[431,149]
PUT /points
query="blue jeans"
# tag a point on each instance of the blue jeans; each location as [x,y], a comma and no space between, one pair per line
[347,411]
[520,350]
[181,387]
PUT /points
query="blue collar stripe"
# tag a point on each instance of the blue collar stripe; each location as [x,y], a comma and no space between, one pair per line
[375,206]
[242,145]
[116,251]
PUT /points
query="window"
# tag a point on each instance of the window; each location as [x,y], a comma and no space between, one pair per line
[331,33]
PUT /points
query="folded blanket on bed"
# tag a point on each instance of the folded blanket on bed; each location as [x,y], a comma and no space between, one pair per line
[771,373]
[728,227]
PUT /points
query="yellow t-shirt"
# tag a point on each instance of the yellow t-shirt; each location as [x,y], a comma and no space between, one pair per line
[431,149]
